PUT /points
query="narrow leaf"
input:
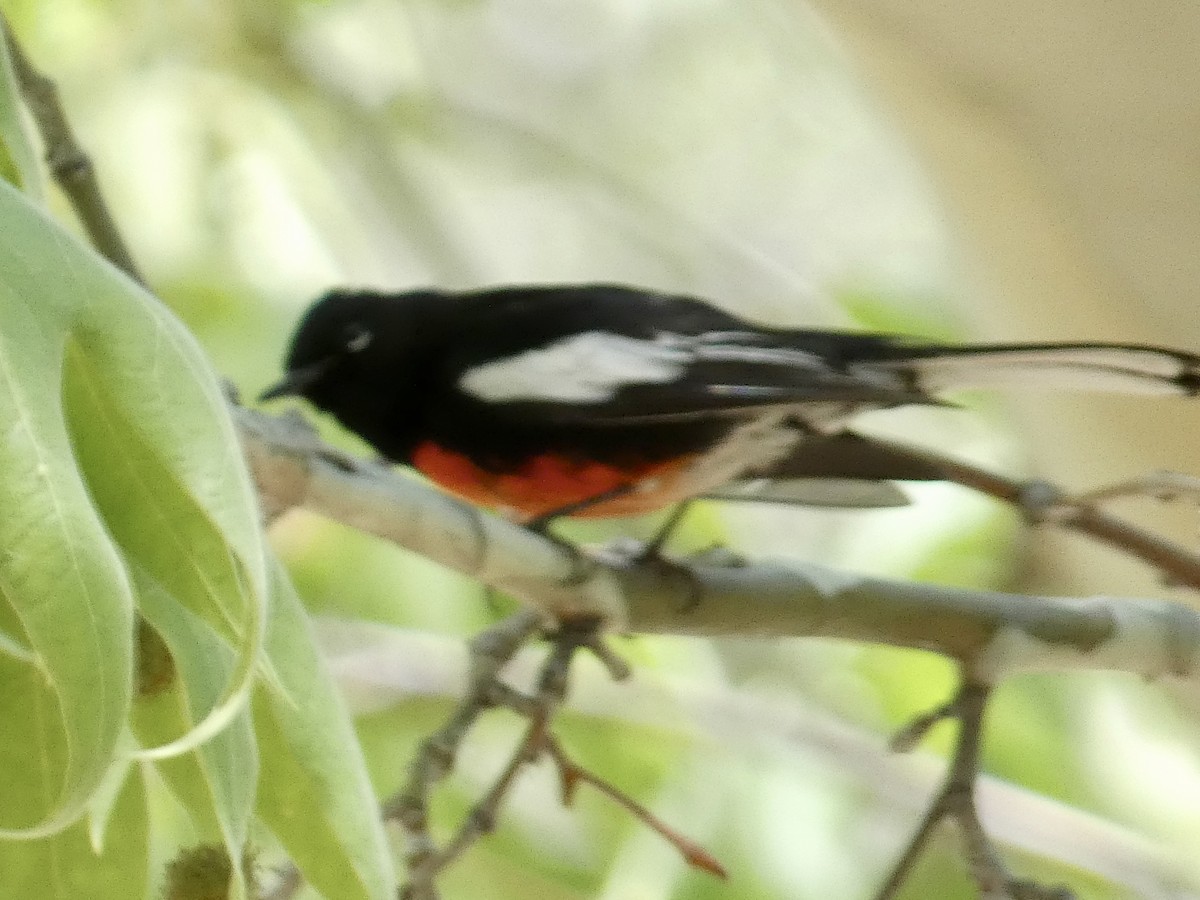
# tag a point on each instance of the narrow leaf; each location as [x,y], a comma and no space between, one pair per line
[216,783]
[159,470]
[314,793]
[64,590]
[162,529]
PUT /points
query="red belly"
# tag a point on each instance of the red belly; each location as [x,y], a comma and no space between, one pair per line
[543,484]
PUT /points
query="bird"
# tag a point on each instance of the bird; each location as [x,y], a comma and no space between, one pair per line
[544,401]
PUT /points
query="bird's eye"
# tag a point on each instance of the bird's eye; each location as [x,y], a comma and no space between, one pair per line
[357,338]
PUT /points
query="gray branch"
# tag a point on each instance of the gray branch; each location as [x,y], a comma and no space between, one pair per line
[993,635]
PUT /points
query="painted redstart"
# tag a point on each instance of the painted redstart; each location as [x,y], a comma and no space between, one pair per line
[602,400]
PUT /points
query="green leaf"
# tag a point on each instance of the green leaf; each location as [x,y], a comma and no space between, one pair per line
[216,782]
[63,589]
[65,866]
[313,792]
[18,158]
[160,524]
[91,364]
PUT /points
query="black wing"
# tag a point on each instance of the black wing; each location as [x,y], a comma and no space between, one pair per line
[597,355]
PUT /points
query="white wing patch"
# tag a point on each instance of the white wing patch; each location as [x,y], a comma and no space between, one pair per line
[592,367]
[585,368]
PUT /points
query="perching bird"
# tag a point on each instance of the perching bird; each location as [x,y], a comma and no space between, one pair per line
[602,400]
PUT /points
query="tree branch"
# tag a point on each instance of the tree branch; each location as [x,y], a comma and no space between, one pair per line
[69,165]
[993,634]
[1043,503]
[383,667]
[956,801]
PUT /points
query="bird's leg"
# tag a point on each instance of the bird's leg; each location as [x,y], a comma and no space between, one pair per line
[542,523]
[654,546]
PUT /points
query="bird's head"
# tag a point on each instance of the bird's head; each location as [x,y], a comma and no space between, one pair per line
[350,336]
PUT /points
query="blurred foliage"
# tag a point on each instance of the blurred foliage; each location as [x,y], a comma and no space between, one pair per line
[129,511]
[257,152]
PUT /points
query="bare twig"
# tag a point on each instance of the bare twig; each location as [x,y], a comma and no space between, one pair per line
[1165,486]
[912,734]
[1042,502]
[425,859]
[490,652]
[571,775]
[481,820]
[69,165]
[956,800]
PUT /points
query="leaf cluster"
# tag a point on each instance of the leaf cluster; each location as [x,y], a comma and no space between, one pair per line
[155,663]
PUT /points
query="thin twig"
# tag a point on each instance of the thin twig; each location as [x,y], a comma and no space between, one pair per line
[69,165]
[571,774]
[956,800]
[490,652]
[425,859]
[912,734]
[1164,486]
[1042,502]
[539,709]
[970,699]
[481,820]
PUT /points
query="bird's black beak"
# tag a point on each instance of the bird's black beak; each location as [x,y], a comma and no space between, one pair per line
[296,381]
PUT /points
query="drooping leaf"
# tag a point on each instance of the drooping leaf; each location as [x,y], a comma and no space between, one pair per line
[65,866]
[216,782]
[161,526]
[116,450]
[314,793]
[63,585]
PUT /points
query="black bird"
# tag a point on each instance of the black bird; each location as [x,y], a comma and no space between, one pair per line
[603,400]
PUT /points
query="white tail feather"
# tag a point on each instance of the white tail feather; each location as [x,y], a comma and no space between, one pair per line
[1133,370]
